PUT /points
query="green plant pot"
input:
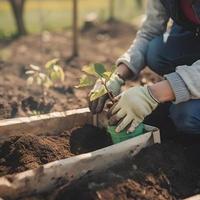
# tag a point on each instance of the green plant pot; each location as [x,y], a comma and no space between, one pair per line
[123,135]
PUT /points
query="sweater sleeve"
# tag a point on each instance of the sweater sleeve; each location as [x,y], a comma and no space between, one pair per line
[154,25]
[185,82]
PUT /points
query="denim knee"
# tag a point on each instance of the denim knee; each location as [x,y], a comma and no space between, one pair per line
[186,116]
[154,58]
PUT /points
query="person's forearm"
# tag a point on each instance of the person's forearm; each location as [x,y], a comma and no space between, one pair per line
[124,72]
[162,91]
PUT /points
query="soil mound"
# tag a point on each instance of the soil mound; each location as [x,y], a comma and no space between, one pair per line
[20,153]
[88,139]
[23,152]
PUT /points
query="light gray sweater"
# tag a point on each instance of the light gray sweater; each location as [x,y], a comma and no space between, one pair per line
[185,81]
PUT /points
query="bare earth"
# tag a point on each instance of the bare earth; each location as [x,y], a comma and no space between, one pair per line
[103,44]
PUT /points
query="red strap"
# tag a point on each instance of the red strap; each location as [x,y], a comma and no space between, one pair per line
[188,11]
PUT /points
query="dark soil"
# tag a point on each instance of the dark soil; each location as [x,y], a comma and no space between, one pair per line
[30,105]
[23,152]
[88,139]
[160,172]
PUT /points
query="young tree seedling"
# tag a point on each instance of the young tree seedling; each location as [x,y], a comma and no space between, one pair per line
[98,72]
[45,77]
[95,72]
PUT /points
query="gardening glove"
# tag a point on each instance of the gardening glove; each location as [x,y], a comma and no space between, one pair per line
[113,85]
[132,107]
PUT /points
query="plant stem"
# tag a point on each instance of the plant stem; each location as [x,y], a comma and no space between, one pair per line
[109,93]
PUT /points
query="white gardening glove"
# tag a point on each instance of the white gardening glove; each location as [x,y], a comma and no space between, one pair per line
[114,86]
[133,106]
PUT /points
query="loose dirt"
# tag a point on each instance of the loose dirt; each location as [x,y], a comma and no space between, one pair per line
[167,171]
[20,153]
[160,172]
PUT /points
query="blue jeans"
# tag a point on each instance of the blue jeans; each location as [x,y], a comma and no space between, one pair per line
[165,53]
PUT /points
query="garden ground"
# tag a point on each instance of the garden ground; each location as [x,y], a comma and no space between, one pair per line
[102,44]
[166,171]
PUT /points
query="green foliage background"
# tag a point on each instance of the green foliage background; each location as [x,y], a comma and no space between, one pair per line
[55,15]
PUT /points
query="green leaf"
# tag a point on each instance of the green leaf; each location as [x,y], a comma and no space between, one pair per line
[54,76]
[42,76]
[35,68]
[60,75]
[85,81]
[90,70]
[30,80]
[39,80]
[99,69]
[107,75]
[113,68]
[30,72]
[51,63]
[96,70]
[98,93]
[47,83]
[55,73]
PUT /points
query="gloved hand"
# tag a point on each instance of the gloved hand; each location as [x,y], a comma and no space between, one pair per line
[114,86]
[132,107]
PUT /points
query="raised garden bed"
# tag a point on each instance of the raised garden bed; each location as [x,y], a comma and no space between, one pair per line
[28,143]
[162,171]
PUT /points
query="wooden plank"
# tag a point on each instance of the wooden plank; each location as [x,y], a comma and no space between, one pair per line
[51,124]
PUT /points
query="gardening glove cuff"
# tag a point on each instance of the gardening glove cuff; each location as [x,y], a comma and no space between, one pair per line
[113,85]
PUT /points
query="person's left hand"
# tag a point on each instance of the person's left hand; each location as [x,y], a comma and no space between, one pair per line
[132,107]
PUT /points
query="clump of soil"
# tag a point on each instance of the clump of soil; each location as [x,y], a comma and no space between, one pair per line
[88,139]
[7,110]
[159,172]
[23,152]
[30,104]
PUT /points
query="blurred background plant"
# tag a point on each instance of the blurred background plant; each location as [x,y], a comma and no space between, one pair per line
[45,77]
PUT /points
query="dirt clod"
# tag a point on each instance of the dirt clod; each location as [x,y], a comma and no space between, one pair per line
[30,104]
[88,139]
[7,110]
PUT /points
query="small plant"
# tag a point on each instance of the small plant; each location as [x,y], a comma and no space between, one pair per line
[47,77]
[35,113]
[96,72]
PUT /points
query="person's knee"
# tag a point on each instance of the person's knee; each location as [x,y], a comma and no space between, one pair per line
[185,118]
[155,55]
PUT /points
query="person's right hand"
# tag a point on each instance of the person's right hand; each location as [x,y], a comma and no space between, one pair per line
[113,85]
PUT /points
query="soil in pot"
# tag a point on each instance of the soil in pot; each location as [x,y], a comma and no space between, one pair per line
[23,152]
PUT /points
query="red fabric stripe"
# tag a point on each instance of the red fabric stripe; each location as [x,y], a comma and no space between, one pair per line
[188,11]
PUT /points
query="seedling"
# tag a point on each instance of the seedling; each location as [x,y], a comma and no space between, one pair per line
[98,71]
[95,72]
[45,77]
